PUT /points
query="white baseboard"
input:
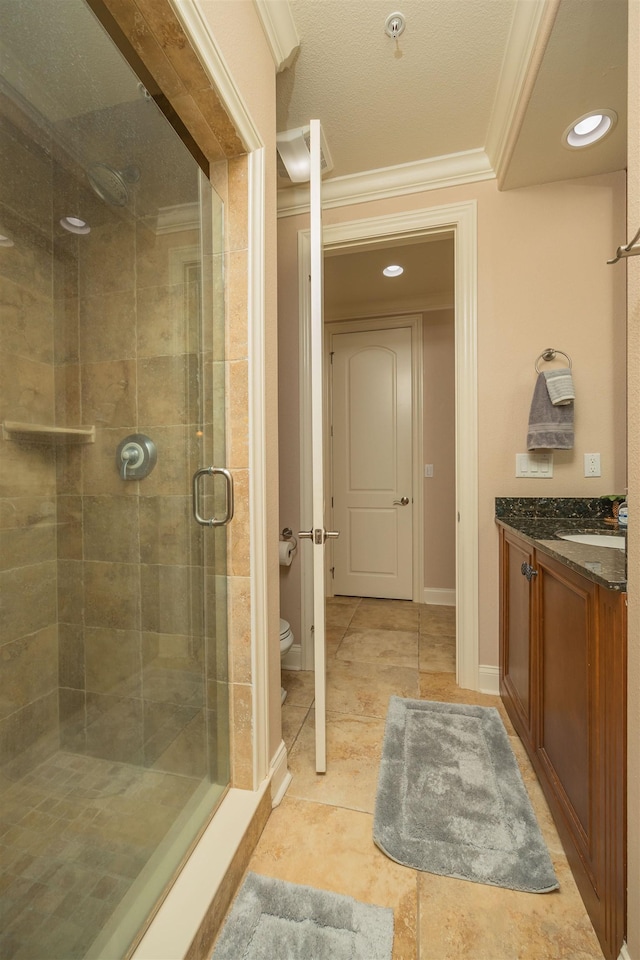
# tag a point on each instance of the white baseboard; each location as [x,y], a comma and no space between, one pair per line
[624,952]
[293,658]
[279,775]
[489,679]
[441,597]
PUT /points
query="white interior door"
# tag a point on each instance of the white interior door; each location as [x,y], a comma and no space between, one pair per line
[317,534]
[372,463]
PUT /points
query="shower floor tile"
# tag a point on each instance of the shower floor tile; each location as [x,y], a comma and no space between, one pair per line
[75,832]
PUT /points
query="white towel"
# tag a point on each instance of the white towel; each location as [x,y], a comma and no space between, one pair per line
[560,386]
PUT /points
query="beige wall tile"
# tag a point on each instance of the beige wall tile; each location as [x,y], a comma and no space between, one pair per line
[239,629]
[113,661]
[171,598]
[70,591]
[241,736]
[167,531]
[68,401]
[107,258]
[71,671]
[237,413]
[237,237]
[167,390]
[69,527]
[29,735]
[26,322]
[162,328]
[28,470]
[238,561]
[114,728]
[23,545]
[29,669]
[27,389]
[237,305]
[175,739]
[110,529]
[107,325]
[109,393]
[29,605]
[112,595]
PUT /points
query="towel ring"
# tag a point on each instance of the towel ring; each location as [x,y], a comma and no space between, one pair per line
[550,354]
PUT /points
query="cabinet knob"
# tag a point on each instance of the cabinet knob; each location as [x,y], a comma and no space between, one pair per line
[527,571]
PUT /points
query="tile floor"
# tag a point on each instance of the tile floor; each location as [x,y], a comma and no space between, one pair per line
[74,834]
[321,834]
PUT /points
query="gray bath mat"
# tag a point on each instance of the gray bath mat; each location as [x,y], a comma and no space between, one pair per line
[275,920]
[451,799]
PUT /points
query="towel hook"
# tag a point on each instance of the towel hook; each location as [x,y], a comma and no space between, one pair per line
[550,354]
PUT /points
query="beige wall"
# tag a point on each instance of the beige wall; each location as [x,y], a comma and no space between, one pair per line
[542,281]
[438,339]
[240,38]
[633,633]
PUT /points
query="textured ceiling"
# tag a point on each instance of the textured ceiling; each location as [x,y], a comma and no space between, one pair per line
[384,102]
[443,88]
[440,90]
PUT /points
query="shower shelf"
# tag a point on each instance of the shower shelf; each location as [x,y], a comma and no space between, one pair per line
[37,432]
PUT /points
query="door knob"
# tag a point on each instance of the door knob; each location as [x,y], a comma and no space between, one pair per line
[403,502]
[318,535]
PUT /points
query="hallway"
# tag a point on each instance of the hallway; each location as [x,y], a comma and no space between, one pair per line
[321,834]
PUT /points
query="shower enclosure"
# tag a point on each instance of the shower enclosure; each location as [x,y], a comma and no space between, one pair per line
[113,645]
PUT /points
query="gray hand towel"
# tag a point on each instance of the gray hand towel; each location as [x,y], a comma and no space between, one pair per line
[550,427]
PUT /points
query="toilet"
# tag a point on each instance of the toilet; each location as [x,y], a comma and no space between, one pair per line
[286,639]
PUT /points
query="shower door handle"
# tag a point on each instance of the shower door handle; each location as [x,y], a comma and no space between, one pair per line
[229,501]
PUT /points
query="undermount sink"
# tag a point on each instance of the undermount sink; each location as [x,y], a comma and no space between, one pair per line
[594,539]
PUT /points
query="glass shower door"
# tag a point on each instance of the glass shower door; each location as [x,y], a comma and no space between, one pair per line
[113,647]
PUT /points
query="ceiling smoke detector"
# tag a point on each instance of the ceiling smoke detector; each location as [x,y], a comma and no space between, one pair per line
[394,25]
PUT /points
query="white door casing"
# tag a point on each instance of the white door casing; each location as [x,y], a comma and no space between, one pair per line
[461,220]
[372,486]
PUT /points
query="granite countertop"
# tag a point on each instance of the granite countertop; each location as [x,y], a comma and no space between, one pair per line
[539,522]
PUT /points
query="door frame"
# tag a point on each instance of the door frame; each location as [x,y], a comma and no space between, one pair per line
[414,322]
[460,220]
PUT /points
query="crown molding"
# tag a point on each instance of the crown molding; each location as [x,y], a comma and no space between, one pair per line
[528,39]
[431,174]
[375,309]
[280,30]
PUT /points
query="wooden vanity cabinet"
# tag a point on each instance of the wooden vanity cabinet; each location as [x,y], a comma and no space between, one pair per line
[563,683]
[516,620]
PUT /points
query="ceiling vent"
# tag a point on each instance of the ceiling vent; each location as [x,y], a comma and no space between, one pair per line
[294,155]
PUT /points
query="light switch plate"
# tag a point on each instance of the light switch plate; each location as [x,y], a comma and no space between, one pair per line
[534,466]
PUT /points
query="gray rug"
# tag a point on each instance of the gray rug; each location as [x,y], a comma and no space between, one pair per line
[274,920]
[451,799]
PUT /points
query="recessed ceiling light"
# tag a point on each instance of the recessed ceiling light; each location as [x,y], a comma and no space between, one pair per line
[75,225]
[393,270]
[589,128]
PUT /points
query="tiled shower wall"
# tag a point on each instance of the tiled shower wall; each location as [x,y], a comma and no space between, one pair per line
[127,647]
[28,630]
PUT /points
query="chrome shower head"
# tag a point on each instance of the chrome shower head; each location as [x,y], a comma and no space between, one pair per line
[111,185]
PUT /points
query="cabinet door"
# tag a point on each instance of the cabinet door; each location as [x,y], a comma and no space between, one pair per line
[569,726]
[516,617]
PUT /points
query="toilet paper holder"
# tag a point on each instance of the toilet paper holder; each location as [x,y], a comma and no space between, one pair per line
[287,534]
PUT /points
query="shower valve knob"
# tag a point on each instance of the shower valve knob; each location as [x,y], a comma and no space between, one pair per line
[136,457]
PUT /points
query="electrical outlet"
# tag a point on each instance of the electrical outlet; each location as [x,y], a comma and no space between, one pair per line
[592,464]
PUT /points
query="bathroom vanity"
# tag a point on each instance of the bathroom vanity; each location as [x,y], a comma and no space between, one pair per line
[563,684]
